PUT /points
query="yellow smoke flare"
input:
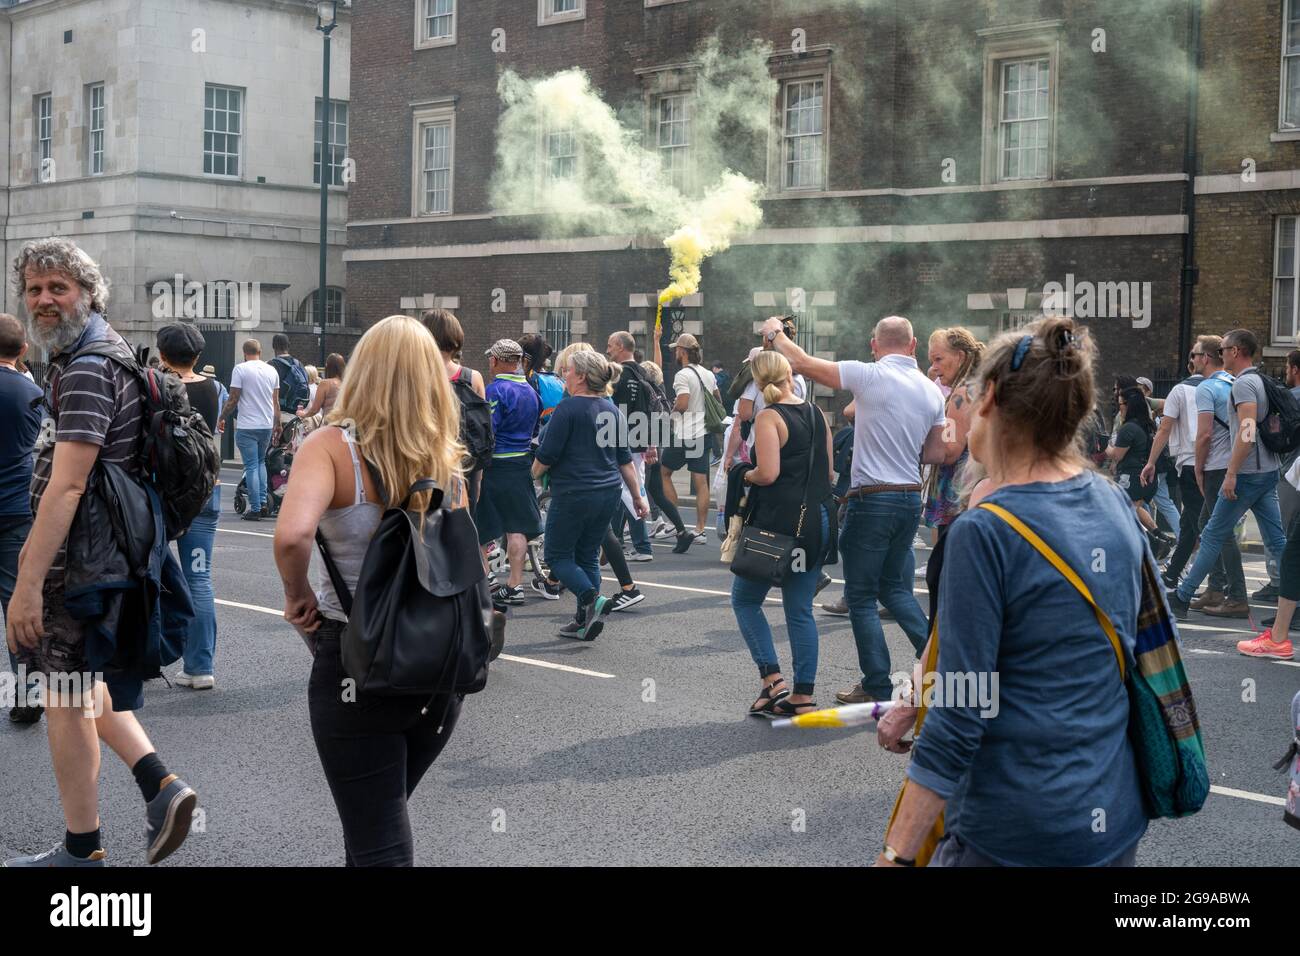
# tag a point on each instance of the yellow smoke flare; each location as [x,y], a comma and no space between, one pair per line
[728,211]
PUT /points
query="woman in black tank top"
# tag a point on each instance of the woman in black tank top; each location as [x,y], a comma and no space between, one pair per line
[791,476]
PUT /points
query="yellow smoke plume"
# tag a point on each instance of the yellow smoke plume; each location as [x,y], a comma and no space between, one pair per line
[729,210]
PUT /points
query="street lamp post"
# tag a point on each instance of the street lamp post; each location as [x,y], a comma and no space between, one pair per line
[327,12]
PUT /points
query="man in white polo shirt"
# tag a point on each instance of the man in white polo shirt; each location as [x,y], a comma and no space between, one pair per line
[255,399]
[898,426]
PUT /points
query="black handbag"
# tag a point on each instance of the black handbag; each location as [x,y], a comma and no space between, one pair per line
[763,555]
[417,623]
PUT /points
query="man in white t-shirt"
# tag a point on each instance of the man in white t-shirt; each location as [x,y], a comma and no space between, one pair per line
[255,393]
[1177,429]
[898,426]
[691,443]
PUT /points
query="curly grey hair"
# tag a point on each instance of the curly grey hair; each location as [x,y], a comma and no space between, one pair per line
[57,254]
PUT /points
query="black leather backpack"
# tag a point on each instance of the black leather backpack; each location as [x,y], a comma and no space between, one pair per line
[417,623]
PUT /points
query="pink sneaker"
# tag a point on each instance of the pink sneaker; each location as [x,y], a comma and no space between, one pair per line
[1264,646]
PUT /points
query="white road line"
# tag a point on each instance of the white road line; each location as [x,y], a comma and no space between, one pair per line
[1202,650]
[548,664]
[504,657]
[1288,663]
[255,534]
[250,607]
[1247,795]
[1183,626]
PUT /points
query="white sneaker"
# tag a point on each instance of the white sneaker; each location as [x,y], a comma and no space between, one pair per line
[662,530]
[196,681]
[702,536]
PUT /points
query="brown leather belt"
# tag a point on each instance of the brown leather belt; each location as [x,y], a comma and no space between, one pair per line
[879,489]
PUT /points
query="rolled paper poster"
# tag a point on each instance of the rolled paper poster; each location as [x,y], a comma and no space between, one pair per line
[850,715]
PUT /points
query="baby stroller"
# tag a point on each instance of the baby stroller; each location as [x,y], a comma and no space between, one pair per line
[279,461]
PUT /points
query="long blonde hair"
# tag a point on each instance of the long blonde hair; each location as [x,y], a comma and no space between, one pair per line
[771,371]
[398,403]
[961,340]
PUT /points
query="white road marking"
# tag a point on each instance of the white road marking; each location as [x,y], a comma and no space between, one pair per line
[1183,626]
[504,657]
[1201,650]
[548,664]
[1247,795]
[1288,663]
[255,534]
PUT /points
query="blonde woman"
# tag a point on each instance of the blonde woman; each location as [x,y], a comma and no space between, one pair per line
[791,476]
[587,472]
[395,419]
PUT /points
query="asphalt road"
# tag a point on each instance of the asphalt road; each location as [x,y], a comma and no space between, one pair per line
[638,751]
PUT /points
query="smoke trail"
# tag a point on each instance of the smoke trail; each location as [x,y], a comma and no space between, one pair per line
[564,155]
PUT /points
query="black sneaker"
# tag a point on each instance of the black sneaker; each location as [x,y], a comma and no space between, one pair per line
[505,594]
[1169,580]
[822,583]
[593,617]
[1267,593]
[624,600]
[25,715]
[1177,606]
[548,590]
[684,542]
[250,516]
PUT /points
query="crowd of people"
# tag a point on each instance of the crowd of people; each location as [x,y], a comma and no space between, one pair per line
[559,458]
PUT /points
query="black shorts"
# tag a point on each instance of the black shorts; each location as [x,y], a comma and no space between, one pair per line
[1131,482]
[694,457]
[507,501]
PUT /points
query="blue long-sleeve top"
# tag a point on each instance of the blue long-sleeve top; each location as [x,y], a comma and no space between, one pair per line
[1046,774]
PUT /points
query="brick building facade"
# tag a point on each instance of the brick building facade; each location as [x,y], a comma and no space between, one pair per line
[970,155]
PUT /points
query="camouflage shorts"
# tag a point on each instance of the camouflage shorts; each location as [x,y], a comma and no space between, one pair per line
[62,651]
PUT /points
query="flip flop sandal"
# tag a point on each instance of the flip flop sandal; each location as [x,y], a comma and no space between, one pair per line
[783,708]
[769,699]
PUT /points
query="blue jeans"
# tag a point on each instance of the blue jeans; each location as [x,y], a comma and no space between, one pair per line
[195,550]
[1256,493]
[252,444]
[797,595]
[576,522]
[12,537]
[1165,505]
[876,544]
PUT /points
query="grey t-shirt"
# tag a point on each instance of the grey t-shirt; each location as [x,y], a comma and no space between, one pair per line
[1250,388]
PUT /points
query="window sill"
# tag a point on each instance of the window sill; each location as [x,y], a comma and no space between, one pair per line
[1284,136]
[1278,351]
[550,21]
[435,43]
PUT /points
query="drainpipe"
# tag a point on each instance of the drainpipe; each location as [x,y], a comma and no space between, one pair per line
[1190,272]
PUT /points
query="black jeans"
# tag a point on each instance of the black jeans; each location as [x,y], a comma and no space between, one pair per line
[1289,569]
[1227,575]
[374,751]
[654,486]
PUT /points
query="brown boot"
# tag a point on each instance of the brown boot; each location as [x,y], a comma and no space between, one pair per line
[1207,599]
[1229,608]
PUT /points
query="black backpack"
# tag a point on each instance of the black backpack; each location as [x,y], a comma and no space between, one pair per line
[1279,431]
[176,453]
[475,423]
[295,390]
[417,621]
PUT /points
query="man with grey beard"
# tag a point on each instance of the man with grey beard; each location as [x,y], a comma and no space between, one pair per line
[95,413]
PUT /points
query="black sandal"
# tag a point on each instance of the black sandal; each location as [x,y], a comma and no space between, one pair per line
[769,700]
[784,708]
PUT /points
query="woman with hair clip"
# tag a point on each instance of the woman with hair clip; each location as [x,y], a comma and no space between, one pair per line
[395,419]
[791,495]
[1129,449]
[587,472]
[954,357]
[1047,743]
